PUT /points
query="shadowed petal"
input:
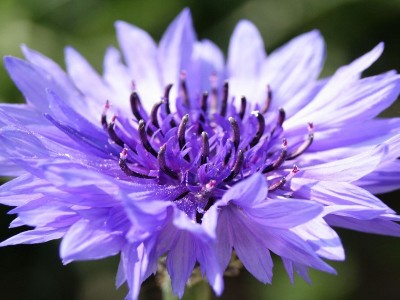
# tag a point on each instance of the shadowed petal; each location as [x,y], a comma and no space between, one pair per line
[377,226]
[245,240]
[180,266]
[323,239]
[248,192]
[35,236]
[289,245]
[84,241]
[284,213]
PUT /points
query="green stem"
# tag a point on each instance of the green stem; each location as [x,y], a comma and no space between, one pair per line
[166,288]
[198,291]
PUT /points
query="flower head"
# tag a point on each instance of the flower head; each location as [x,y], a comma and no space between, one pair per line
[176,154]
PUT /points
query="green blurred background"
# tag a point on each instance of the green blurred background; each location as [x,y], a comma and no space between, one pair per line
[350,28]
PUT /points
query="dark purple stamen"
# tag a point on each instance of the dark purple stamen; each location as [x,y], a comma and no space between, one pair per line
[283,180]
[235,135]
[199,215]
[181,134]
[136,105]
[203,106]
[184,90]
[281,117]
[153,114]
[279,161]
[210,202]
[143,138]
[163,163]
[279,122]
[227,156]
[111,132]
[268,100]
[237,167]
[124,167]
[203,112]
[181,196]
[167,90]
[260,128]
[104,115]
[205,148]
[182,131]
[224,103]
[307,143]
[243,104]
[277,185]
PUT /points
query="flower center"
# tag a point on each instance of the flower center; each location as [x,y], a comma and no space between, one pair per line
[205,147]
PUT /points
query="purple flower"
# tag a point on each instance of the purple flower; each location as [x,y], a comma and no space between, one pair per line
[175,158]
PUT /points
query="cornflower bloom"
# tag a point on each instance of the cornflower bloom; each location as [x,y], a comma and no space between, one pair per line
[178,157]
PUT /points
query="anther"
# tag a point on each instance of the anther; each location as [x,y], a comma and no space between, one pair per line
[124,167]
[203,107]
[279,161]
[153,114]
[163,164]
[184,90]
[281,117]
[243,104]
[224,104]
[227,156]
[268,100]
[143,138]
[235,136]
[167,90]
[307,143]
[260,129]
[203,104]
[104,115]
[136,105]
[181,196]
[181,134]
[283,180]
[279,122]
[205,148]
[182,131]
[237,167]
[111,132]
